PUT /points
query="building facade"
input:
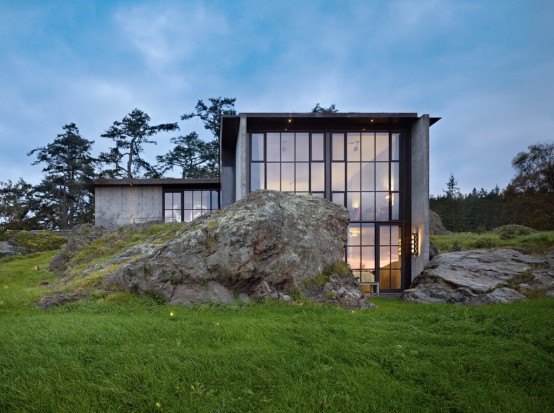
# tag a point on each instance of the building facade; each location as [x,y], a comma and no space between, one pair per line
[374,164]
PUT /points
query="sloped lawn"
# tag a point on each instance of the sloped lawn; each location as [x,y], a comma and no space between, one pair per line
[124,353]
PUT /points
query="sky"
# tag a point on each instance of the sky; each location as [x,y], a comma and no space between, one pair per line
[485,67]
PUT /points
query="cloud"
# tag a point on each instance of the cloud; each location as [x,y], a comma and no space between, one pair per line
[165,36]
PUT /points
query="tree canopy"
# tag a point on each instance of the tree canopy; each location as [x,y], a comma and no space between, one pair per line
[319,109]
[124,160]
[530,194]
[194,157]
[211,115]
[64,195]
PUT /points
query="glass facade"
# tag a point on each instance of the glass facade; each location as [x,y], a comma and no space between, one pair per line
[186,205]
[365,176]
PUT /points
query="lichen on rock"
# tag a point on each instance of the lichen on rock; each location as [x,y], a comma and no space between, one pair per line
[267,245]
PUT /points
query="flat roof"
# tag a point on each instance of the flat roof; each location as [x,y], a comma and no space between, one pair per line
[165,182]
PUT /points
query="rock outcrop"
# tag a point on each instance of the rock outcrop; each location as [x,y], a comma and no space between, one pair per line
[267,245]
[482,277]
[6,249]
[435,224]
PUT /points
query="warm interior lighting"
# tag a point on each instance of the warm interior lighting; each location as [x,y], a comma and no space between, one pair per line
[371,120]
[290,120]
[414,243]
[355,203]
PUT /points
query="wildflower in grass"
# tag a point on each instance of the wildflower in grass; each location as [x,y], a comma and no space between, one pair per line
[158,405]
[172,314]
[217,323]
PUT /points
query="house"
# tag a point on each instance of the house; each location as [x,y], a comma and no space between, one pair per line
[374,164]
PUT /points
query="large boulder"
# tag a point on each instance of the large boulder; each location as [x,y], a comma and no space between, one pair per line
[481,277]
[435,224]
[267,245]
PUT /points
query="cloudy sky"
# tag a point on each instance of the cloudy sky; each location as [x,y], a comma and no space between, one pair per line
[486,67]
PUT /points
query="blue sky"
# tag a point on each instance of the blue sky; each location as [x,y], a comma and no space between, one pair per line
[486,67]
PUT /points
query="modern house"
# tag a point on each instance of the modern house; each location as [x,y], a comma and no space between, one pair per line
[374,164]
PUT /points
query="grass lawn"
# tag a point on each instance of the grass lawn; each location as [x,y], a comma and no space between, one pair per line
[127,353]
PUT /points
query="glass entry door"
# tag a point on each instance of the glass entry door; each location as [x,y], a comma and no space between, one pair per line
[374,252]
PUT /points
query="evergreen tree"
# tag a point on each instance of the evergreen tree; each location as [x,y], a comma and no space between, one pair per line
[319,109]
[63,197]
[16,206]
[129,135]
[194,157]
[530,194]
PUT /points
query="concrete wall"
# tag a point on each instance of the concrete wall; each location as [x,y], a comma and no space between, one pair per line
[114,206]
[242,157]
[420,192]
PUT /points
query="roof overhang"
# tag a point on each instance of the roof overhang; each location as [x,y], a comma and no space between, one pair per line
[292,121]
[192,183]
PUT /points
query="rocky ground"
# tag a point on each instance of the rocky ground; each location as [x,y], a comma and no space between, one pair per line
[483,277]
[268,245]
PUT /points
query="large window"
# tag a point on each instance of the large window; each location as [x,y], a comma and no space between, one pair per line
[186,205]
[288,162]
[365,171]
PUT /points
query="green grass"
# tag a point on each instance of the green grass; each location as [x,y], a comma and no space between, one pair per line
[126,353]
[536,243]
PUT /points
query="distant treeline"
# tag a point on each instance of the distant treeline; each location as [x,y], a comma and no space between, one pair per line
[528,199]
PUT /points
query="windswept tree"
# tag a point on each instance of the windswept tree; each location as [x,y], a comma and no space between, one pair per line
[16,206]
[64,196]
[124,160]
[201,160]
[211,115]
[319,109]
[191,155]
[530,194]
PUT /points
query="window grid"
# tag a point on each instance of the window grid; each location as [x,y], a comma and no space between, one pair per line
[186,205]
[288,162]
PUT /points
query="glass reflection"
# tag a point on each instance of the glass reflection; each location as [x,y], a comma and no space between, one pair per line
[287,177]
[354,234]
[368,176]
[384,235]
[337,176]
[353,205]
[273,142]
[382,176]
[395,201]
[368,206]
[338,198]
[317,147]
[368,258]
[257,147]
[353,256]
[338,147]
[353,176]
[382,206]
[188,200]
[302,177]
[382,146]
[395,176]
[318,177]
[274,176]
[368,146]
[302,147]
[368,234]
[353,147]
[257,176]
[287,147]
[395,146]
